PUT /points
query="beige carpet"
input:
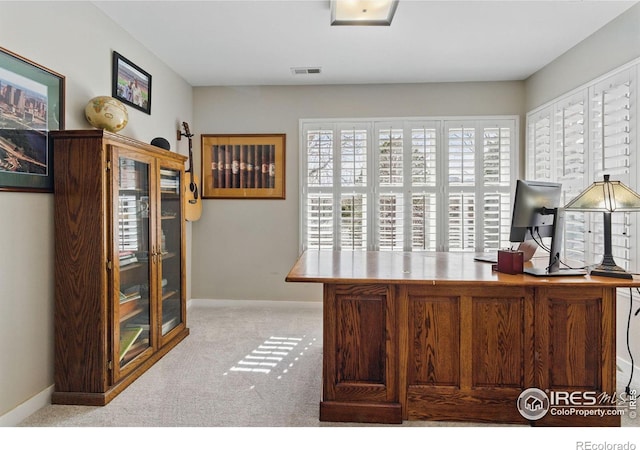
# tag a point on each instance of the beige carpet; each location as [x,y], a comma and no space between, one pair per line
[245,364]
[215,377]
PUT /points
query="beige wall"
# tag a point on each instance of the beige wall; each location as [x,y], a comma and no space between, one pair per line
[74,39]
[613,45]
[245,248]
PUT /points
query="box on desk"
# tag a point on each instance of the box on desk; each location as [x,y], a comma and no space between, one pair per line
[510,261]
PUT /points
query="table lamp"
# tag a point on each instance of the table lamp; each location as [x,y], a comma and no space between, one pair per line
[607,196]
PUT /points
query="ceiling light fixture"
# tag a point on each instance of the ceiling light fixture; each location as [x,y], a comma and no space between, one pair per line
[363,12]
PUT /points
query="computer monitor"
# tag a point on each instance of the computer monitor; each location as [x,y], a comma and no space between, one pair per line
[536,215]
[532,200]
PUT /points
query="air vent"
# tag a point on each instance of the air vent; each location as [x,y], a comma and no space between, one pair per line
[305,70]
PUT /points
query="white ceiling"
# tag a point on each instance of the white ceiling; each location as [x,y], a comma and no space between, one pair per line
[257,42]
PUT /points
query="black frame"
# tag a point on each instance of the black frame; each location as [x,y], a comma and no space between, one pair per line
[31,104]
[123,69]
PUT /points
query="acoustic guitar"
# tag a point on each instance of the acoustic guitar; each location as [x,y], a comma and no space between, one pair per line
[193,200]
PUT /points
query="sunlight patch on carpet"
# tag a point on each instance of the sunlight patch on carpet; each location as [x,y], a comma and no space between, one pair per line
[272,352]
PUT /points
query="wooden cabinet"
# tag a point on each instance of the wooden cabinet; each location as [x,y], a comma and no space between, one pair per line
[119,262]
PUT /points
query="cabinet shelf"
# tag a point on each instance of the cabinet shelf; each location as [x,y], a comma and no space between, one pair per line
[132,314]
[169,255]
[169,294]
[133,266]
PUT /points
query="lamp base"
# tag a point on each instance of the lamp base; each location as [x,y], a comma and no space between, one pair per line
[610,271]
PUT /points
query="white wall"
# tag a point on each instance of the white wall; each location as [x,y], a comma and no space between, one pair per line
[76,40]
[245,248]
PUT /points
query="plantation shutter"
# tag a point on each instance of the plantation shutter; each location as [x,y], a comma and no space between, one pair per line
[497,174]
[353,187]
[570,123]
[423,148]
[479,189]
[611,138]
[539,157]
[390,180]
[461,155]
[319,202]
[390,212]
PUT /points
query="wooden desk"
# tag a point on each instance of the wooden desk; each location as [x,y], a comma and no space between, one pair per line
[439,336]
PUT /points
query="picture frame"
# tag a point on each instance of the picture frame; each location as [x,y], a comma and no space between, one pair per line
[32,102]
[243,166]
[130,84]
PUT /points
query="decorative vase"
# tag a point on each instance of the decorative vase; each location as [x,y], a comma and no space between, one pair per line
[106,113]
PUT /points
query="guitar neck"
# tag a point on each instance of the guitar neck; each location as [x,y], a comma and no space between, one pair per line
[190,160]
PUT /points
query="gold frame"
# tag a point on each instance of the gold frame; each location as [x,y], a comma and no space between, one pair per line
[229,162]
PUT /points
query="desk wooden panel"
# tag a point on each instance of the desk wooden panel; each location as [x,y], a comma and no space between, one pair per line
[439,336]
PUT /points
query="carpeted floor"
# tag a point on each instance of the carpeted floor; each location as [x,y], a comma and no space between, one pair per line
[245,364]
[215,377]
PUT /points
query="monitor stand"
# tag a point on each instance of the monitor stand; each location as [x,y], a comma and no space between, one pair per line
[539,272]
[553,269]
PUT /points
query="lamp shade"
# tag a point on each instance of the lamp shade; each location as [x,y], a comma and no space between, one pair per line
[604,196]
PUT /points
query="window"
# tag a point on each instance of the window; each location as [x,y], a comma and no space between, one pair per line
[577,139]
[408,185]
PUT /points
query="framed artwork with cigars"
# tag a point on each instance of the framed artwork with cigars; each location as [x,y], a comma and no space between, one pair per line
[243,166]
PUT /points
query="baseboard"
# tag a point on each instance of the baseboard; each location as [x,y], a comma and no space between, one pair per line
[21,412]
[624,372]
[206,302]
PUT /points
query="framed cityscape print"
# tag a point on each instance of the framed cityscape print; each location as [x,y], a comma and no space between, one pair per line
[130,84]
[243,166]
[31,105]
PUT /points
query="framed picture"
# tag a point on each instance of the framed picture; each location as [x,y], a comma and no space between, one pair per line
[243,165]
[31,104]
[130,84]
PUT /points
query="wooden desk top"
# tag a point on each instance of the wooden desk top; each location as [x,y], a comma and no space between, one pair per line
[437,268]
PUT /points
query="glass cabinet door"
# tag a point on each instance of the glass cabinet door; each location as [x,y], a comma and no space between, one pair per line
[132,272]
[170,248]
